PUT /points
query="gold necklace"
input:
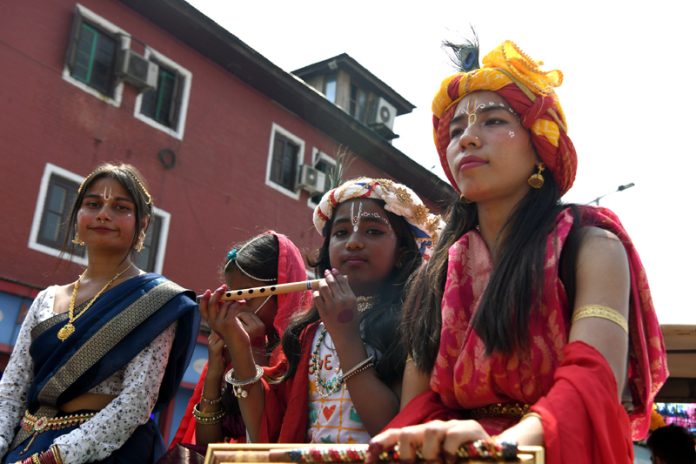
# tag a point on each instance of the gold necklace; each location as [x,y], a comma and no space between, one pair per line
[68,329]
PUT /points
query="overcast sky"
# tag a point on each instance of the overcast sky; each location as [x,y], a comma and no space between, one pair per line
[628,94]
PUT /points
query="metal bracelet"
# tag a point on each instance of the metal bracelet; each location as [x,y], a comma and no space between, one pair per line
[237,385]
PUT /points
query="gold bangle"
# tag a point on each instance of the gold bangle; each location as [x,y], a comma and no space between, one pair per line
[208,418]
[56,454]
[603,312]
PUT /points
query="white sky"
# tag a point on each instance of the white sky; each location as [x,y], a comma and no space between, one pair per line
[628,93]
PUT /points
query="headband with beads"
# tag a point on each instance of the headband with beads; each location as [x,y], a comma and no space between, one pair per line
[132,176]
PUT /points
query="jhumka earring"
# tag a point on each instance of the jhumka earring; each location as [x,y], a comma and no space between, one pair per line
[536,180]
[77,240]
[141,242]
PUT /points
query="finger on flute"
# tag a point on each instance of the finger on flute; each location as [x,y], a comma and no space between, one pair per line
[257,292]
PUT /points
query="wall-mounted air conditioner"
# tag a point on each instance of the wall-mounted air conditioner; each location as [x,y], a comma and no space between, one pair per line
[311,179]
[384,113]
[136,70]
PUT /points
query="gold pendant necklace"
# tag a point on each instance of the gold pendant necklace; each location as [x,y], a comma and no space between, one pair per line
[68,329]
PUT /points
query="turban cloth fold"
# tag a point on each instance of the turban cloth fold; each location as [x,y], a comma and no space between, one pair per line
[513,75]
[398,199]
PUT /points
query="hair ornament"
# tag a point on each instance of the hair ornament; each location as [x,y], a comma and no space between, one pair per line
[232,256]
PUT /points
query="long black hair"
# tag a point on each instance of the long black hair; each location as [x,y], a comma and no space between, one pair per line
[380,325]
[515,285]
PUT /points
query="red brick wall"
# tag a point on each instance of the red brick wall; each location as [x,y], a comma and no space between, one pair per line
[216,193]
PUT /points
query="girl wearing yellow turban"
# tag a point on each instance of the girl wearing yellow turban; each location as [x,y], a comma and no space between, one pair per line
[533,321]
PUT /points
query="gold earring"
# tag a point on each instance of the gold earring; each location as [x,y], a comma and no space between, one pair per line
[536,180]
[77,241]
[465,200]
[141,242]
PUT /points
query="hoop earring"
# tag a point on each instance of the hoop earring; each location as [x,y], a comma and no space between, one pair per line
[465,200]
[77,240]
[536,180]
[141,242]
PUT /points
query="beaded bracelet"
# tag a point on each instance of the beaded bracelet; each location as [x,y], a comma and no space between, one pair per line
[358,368]
[237,385]
[207,418]
[214,402]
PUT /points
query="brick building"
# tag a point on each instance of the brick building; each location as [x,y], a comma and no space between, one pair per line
[230,144]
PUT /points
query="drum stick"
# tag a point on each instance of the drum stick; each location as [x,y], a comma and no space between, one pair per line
[257,292]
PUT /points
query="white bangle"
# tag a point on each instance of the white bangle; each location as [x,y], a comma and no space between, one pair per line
[358,368]
[237,385]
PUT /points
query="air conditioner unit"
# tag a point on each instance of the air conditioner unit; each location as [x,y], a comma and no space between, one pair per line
[311,179]
[384,113]
[136,70]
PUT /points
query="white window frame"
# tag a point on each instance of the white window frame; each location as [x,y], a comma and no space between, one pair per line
[165,218]
[124,40]
[277,129]
[178,132]
[316,156]
[51,169]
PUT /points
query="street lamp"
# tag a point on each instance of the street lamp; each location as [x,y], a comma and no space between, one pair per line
[620,188]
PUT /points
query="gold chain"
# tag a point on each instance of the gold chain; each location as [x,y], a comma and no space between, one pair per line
[68,329]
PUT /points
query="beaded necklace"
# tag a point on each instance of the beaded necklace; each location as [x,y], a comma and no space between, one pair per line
[332,385]
[335,383]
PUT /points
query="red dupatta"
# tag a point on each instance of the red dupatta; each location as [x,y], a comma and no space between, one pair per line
[290,269]
[571,385]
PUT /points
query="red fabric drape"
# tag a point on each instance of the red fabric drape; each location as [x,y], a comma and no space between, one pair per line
[290,269]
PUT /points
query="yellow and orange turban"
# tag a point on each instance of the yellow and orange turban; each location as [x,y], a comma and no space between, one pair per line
[513,75]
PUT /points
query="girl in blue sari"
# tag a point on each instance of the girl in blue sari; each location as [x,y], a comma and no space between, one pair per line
[94,358]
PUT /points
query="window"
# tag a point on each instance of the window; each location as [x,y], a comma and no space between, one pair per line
[325,164]
[165,107]
[286,154]
[92,53]
[54,222]
[93,58]
[50,225]
[151,257]
[330,88]
[358,103]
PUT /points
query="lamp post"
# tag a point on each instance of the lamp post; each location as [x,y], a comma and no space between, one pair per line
[620,188]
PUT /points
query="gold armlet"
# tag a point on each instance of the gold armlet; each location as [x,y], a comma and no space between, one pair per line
[603,312]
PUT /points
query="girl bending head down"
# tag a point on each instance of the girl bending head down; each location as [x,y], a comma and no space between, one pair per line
[264,260]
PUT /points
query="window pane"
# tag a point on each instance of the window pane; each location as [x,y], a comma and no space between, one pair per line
[94,58]
[147,258]
[157,103]
[60,195]
[56,198]
[284,162]
[330,89]
[102,74]
[50,231]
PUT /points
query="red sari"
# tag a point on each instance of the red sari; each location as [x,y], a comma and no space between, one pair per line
[290,269]
[570,384]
